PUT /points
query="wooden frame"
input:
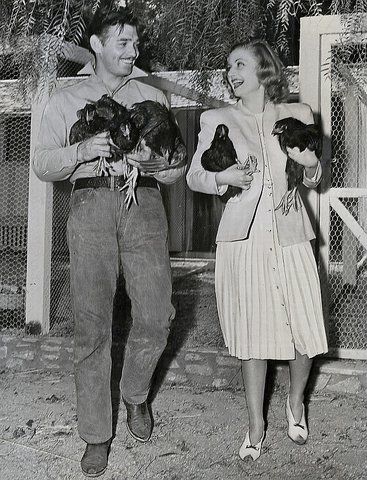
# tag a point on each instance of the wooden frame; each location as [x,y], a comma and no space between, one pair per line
[318,34]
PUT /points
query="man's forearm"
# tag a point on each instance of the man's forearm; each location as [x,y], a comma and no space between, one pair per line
[170,176]
[54,164]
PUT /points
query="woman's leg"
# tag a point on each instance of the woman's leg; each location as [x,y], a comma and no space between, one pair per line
[299,373]
[254,374]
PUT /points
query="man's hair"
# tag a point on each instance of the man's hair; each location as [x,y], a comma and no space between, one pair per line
[108,16]
[270,70]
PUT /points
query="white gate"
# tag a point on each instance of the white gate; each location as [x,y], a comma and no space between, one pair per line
[333,72]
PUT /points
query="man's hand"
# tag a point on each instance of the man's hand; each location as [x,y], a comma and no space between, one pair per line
[147,161]
[100,145]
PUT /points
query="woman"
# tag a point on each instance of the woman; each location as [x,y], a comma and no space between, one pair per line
[267,285]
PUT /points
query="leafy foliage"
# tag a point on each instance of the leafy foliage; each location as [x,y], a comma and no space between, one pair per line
[349,58]
[196,35]
[33,32]
[190,34]
[283,23]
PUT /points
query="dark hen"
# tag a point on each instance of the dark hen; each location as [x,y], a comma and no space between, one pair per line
[106,115]
[159,131]
[89,123]
[221,155]
[294,133]
[123,131]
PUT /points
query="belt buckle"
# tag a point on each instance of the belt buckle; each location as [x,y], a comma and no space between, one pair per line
[112,183]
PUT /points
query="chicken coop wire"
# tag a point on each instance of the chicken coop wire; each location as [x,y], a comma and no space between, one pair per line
[347,274]
[61,320]
[15,131]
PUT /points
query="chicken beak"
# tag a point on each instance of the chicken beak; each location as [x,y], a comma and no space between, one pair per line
[88,117]
[125,130]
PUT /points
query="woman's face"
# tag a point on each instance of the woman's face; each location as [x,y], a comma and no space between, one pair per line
[241,72]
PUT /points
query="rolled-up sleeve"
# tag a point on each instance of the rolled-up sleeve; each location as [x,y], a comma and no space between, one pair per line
[53,159]
[199,179]
[315,180]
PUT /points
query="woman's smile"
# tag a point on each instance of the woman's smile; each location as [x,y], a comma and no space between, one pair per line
[236,83]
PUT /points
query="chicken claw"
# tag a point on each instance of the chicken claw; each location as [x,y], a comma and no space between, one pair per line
[289,200]
[102,167]
[130,186]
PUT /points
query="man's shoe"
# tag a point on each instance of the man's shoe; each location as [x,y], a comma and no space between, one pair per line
[94,460]
[139,421]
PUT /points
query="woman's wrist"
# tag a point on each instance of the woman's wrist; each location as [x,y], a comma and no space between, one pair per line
[219,179]
[311,171]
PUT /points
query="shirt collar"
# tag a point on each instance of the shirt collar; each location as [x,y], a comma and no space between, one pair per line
[88,69]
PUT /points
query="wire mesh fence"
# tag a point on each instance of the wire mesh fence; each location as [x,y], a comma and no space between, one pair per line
[14,169]
[347,275]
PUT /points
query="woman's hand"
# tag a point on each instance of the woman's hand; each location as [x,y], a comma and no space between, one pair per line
[306,158]
[235,175]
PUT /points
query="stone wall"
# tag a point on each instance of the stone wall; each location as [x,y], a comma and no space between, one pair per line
[203,367]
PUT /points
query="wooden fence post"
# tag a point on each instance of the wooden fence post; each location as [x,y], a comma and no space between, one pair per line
[40,203]
[40,199]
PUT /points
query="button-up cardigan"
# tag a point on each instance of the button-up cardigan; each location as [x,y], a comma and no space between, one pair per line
[249,138]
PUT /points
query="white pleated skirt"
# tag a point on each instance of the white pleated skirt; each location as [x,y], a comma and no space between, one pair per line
[268,297]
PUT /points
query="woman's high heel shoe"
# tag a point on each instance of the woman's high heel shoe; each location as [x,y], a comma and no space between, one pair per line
[297,432]
[248,450]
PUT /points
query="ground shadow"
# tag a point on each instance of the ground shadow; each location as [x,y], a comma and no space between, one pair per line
[121,324]
[186,295]
[195,313]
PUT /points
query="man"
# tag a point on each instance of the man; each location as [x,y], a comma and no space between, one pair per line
[103,233]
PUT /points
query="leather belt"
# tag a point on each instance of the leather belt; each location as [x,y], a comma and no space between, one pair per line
[113,183]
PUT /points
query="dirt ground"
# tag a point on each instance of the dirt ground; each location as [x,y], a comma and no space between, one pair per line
[197,435]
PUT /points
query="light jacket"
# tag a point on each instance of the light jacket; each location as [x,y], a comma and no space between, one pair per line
[247,139]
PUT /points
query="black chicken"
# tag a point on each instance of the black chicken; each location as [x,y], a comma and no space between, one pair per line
[294,133]
[123,131]
[221,154]
[89,123]
[146,123]
[106,115]
[159,131]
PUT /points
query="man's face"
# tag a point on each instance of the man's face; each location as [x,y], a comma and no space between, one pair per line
[119,50]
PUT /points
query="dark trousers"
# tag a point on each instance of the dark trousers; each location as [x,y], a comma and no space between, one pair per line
[102,235]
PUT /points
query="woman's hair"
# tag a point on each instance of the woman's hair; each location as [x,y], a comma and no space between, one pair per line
[270,70]
[109,16]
